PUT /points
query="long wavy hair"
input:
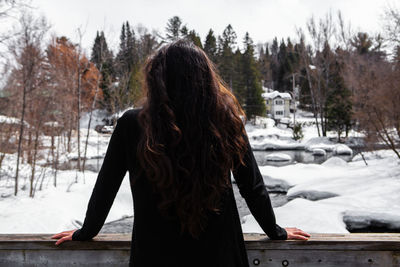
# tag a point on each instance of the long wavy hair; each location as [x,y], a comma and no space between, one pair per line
[193,134]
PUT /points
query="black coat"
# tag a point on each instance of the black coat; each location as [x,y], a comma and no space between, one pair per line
[157,241]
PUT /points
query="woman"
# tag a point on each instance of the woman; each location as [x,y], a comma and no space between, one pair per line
[179,150]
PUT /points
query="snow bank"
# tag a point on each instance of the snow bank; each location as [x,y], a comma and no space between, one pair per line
[267,136]
[317,144]
[304,214]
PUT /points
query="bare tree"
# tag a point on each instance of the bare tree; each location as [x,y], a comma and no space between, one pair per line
[10,9]
[376,87]
[28,55]
[327,35]
[391,17]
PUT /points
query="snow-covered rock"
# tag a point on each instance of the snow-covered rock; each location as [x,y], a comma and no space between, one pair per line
[341,149]
[334,161]
[319,143]
[278,157]
[276,185]
[319,152]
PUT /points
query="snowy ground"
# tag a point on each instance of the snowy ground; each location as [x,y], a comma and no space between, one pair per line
[54,209]
[323,198]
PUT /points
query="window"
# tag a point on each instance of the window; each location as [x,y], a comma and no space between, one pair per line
[267,102]
[279,112]
[278,102]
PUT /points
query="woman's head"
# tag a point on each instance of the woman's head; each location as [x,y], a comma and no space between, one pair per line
[193,134]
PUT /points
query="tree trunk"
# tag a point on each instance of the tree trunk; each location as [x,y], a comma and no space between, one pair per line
[90,116]
[34,163]
[21,134]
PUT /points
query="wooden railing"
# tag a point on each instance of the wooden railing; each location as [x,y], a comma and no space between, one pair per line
[114,249]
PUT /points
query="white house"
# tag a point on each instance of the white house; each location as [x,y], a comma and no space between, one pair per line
[278,104]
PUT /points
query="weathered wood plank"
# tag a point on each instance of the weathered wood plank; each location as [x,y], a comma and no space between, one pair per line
[370,242]
[325,258]
[114,249]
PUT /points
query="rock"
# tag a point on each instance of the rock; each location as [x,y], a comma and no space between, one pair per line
[364,221]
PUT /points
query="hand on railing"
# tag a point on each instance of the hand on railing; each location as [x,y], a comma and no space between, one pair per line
[295,233]
[63,236]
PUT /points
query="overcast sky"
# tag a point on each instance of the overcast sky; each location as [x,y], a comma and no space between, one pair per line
[263,19]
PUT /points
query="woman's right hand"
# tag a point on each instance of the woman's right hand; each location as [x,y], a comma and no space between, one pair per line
[296,234]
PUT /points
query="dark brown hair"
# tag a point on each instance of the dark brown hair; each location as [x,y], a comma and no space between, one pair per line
[193,134]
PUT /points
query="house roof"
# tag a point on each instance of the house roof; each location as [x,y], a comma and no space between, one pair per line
[275,94]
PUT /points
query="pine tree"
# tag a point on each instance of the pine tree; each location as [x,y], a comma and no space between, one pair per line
[191,35]
[264,62]
[338,102]
[128,65]
[173,29]
[226,46]
[254,102]
[282,67]
[238,80]
[102,57]
[210,45]
[274,63]
[195,38]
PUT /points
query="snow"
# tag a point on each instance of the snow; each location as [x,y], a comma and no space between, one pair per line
[11,120]
[331,197]
[97,118]
[271,137]
[341,149]
[307,215]
[276,94]
[334,161]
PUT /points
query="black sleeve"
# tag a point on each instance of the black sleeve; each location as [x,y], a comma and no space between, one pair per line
[252,188]
[108,181]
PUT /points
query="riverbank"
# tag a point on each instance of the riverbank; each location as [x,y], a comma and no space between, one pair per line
[336,196]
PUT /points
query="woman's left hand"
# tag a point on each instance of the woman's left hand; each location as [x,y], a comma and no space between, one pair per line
[63,236]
